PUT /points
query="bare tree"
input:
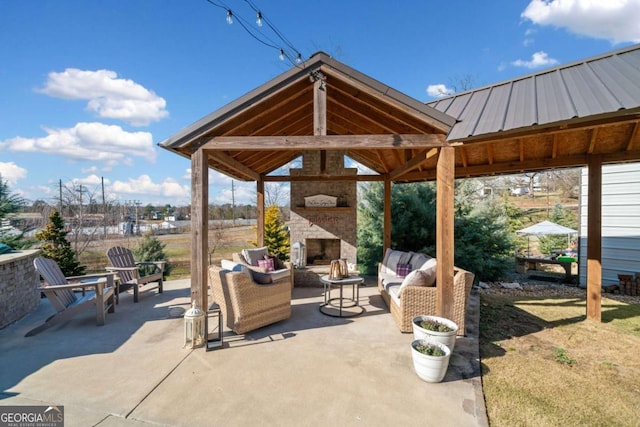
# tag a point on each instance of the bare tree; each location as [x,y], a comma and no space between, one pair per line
[566,181]
[83,226]
[275,193]
[462,83]
[531,179]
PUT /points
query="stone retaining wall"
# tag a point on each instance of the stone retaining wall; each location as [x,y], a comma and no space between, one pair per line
[18,282]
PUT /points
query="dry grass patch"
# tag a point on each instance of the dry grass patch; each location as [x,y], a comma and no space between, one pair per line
[545,365]
[177,249]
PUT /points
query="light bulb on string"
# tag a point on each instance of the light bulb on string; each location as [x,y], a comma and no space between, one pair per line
[229,17]
[281,56]
[298,58]
[259,19]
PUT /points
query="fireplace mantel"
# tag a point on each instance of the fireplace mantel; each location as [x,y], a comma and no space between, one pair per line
[322,209]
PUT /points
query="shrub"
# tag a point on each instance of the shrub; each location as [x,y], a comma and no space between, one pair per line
[276,237]
[149,248]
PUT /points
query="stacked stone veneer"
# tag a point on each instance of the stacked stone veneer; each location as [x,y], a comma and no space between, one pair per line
[321,223]
[18,282]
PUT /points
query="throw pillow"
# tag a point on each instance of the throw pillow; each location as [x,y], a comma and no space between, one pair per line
[429,268]
[230,265]
[417,278]
[277,264]
[266,264]
[402,270]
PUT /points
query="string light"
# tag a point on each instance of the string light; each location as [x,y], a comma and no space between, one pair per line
[287,51]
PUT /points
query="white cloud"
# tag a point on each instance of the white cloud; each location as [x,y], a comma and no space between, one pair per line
[538,59]
[243,193]
[90,180]
[11,172]
[439,90]
[108,95]
[614,20]
[145,187]
[108,144]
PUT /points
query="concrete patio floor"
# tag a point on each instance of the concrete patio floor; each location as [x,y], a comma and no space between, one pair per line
[311,370]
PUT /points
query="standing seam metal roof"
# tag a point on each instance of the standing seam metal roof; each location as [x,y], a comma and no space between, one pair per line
[591,87]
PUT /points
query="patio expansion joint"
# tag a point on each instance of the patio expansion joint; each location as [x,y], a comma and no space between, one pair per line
[155,387]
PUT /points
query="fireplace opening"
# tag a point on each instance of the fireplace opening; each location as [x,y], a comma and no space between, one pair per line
[322,251]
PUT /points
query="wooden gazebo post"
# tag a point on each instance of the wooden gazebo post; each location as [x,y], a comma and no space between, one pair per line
[444,231]
[594,239]
[260,211]
[386,236]
[199,227]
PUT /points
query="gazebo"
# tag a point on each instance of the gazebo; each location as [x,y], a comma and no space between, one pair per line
[584,113]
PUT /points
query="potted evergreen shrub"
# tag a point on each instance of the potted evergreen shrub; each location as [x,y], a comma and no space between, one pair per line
[434,328]
[430,359]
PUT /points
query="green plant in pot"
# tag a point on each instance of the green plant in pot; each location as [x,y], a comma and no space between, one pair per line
[434,328]
[430,359]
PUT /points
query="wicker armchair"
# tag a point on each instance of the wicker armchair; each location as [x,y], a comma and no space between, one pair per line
[419,300]
[245,304]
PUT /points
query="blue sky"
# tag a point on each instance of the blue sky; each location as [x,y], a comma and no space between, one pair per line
[89,88]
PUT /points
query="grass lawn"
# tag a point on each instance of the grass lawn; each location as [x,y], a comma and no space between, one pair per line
[543,364]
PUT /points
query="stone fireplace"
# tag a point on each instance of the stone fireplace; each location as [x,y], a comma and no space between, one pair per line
[322,251]
[323,213]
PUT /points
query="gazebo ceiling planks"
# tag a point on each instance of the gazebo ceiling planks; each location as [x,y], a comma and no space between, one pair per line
[270,122]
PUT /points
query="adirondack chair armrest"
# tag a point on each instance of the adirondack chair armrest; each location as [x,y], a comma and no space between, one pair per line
[116,269]
[108,276]
[99,286]
[159,264]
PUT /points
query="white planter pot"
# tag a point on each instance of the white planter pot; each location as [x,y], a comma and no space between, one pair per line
[430,368]
[446,338]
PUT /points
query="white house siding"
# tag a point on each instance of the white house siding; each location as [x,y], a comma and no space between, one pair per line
[620,222]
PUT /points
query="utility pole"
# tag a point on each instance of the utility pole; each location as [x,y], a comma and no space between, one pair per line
[80,214]
[233,204]
[60,190]
[137,203]
[104,212]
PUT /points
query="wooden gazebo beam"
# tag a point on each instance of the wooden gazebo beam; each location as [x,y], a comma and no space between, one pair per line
[327,142]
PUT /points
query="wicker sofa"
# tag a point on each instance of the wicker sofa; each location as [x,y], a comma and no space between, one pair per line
[406,301]
[245,304]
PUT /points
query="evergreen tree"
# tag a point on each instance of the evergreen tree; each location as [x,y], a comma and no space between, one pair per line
[482,238]
[276,237]
[10,204]
[57,247]
[149,248]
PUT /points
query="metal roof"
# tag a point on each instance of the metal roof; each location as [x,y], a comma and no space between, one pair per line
[592,88]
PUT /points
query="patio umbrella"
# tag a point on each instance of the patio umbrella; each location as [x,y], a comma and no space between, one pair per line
[547,228]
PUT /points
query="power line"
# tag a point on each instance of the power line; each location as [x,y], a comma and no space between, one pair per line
[285,48]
